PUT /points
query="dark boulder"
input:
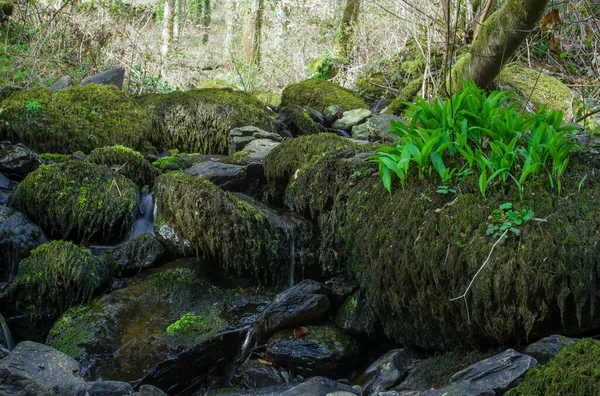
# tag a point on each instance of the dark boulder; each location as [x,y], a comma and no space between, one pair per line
[387,371]
[37,369]
[64,83]
[295,121]
[139,253]
[16,160]
[114,77]
[319,386]
[356,317]
[253,374]
[108,388]
[548,347]
[227,176]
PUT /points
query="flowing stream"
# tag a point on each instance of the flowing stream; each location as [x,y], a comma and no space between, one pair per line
[145,223]
[8,338]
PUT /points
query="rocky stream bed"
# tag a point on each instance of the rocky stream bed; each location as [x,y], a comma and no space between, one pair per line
[203,243]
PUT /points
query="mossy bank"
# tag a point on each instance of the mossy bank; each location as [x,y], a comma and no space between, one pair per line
[68,120]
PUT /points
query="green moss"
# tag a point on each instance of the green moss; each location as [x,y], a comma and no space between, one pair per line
[168,160]
[241,237]
[540,90]
[79,200]
[320,94]
[174,285]
[415,250]
[268,98]
[50,158]
[194,328]
[127,162]
[77,328]
[301,121]
[407,95]
[55,276]
[575,371]
[79,118]
[200,120]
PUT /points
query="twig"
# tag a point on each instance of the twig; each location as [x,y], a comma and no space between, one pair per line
[384,87]
[464,295]
[116,185]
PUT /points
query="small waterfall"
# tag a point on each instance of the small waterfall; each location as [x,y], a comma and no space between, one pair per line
[292,256]
[245,346]
[8,338]
[145,223]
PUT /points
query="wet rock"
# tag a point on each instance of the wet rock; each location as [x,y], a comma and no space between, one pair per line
[18,237]
[226,176]
[110,77]
[499,372]
[252,374]
[149,390]
[377,128]
[6,183]
[356,317]
[108,388]
[387,371]
[546,348]
[331,115]
[241,137]
[18,160]
[37,369]
[325,350]
[319,386]
[295,121]
[141,252]
[4,352]
[64,83]
[275,390]
[307,286]
[351,118]
[165,234]
[341,289]
[258,149]
[462,389]
[291,310]
[175,327]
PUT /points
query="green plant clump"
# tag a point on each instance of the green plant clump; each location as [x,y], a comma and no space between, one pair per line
[55,276]
[242,237]
[319,94]
[477,132]
[127,162]
[193,328]
[79,200]
[573,372]
[79,118]
[200,120]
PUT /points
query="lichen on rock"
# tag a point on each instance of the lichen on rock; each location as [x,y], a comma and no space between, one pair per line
[200,120]
[79,118]
[78,200]
[319,94]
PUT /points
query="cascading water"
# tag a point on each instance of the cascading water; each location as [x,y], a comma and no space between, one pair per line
[145,223]
[8,338]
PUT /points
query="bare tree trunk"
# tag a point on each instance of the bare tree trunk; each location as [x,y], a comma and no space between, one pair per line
[252,33]
[497,40]
[177,26]
[231,24]
[282,13]
[346,28]
[168,26]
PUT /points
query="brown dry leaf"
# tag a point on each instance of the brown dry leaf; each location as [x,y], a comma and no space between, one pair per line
[263,361]
[589,33]
[550,19]
[335,254]
[301,332]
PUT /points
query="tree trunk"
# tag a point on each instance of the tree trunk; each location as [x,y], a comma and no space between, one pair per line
[497,40]
[252,33]
[346,28]
[231,20]
[168,26]
[205,19]
[282,13]
[177,26]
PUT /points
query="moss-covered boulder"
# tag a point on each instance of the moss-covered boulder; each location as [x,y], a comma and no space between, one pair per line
[78,200]
[68,120]
[183,313]
[297,121]
[200,120]
[243,237]
[417,249]
[55,276]
[408,93]
[573,372]
[127,162]
[537,89]
[319,94]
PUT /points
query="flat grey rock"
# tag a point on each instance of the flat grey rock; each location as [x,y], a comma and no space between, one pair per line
[114,76]
[546,348]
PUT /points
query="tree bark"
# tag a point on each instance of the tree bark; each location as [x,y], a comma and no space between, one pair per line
[497,40]
[205,19]
[252,33]
[168,26]
[347,28]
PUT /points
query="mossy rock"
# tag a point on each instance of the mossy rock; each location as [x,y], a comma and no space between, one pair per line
[573,372]
[52,158]
[200,120]
[416,249]
[79,200]
[537,89]
[243,238]
[68,120]
[407,95]
[55,276]
[299,121]
[320,94]
[127,162]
